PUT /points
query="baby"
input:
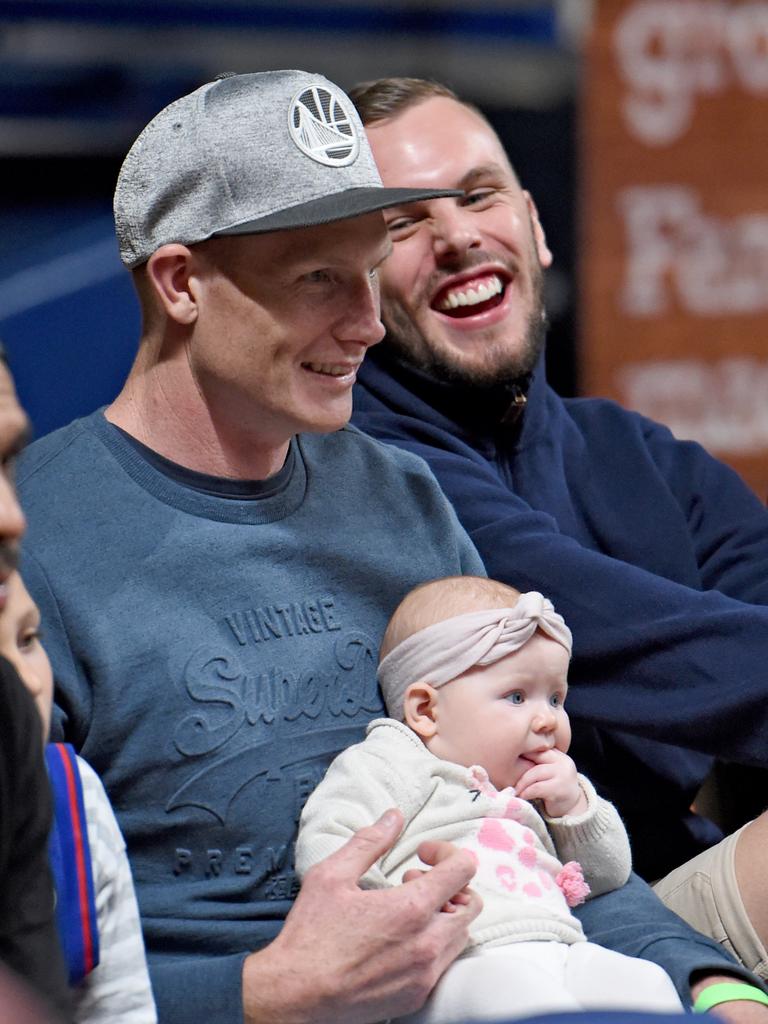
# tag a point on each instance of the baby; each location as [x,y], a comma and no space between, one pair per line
[96,910]
[474,676]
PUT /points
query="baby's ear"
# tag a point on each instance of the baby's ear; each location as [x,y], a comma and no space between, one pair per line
[419,706]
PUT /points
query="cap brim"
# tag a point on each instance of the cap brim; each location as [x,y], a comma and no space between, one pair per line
[353,203]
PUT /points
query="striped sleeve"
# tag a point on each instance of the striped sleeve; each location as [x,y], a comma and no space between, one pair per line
[119,987]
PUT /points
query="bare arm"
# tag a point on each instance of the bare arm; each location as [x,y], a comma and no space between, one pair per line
[736,1011]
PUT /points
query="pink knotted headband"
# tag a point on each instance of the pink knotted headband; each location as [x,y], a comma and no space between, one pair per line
[447,649]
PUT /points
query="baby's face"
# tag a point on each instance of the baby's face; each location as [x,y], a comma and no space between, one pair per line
[502,716]
[20,644]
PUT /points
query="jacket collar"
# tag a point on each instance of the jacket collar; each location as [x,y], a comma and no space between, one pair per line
[504,405]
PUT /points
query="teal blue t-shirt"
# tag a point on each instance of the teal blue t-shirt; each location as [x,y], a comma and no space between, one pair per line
[212,654]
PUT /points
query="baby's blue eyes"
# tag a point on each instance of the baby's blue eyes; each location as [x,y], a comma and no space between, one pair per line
[518,697]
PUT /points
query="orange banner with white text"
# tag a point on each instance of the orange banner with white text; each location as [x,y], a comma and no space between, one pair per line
[674,220]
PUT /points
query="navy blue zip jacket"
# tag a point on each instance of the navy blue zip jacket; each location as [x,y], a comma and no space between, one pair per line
[655,553]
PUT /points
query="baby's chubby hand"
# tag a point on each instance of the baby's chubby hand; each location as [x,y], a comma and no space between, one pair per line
[552,779]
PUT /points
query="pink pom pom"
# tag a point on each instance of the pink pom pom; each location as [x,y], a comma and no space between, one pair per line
[571,881]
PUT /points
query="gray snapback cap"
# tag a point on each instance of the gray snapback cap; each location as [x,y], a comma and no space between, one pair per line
[247,154]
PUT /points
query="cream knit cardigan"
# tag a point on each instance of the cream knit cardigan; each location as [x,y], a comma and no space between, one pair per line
[520,853]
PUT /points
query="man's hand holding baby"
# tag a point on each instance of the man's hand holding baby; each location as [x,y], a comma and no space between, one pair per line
[552,779]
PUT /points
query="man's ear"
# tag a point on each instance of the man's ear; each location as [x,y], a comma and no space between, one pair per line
[169,271]
[419,709]
[542,249]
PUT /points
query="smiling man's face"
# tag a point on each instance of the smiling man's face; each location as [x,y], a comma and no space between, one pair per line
[462,291]
[286,318]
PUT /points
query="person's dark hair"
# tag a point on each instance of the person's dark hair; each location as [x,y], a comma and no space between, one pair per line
[382,98]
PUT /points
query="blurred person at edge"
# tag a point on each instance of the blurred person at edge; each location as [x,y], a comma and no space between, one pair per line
[29,943]
[96,911]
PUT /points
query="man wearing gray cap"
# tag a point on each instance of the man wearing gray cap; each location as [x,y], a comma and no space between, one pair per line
[216,555]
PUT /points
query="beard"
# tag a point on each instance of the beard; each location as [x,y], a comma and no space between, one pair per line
[503,361]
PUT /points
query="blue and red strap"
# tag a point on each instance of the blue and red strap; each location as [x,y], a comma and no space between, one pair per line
[70,858]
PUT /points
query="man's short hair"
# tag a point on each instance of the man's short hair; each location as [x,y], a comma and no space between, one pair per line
[383,98]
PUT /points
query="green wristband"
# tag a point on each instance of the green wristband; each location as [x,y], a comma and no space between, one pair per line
[725,992]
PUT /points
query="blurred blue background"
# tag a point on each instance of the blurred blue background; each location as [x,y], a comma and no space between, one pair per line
[79,80]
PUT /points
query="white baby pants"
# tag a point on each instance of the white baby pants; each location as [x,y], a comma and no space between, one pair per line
[527,978]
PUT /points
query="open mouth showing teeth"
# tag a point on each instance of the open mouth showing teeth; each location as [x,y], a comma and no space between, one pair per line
[461,301]
[329,369]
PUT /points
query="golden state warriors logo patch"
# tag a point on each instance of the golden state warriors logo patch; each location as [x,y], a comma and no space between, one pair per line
[323,126]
